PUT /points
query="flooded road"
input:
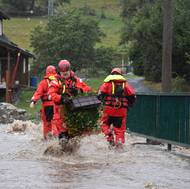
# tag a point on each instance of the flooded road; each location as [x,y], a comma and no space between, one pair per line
[24,165]
[137,83]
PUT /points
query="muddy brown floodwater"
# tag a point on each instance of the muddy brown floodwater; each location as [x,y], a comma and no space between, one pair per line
[91,165]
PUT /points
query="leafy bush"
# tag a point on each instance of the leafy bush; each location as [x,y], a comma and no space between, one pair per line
[144,26]
[68,35]
[86,10]
[103,61]
[179,84]
[81,122]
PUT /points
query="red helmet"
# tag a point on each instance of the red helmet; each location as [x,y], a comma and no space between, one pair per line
[64,65]
[50,70]
[116,71]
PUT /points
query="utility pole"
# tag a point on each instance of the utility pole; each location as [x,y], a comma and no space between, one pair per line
[167,48]
[167,45]
[50,7]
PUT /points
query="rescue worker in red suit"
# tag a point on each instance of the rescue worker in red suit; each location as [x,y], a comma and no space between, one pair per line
[41,92]
[117,95]
[60,91]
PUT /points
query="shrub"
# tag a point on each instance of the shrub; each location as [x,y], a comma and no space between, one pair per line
[179,84]
[82,122]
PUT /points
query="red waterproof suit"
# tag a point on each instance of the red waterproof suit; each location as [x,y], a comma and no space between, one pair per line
[116,93]
[46,111]
[73,85]
[59,88]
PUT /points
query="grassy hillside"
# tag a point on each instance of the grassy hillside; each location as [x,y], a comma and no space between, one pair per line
[19,29]
[112,23]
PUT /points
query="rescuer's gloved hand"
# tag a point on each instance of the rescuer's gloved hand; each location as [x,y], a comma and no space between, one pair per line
[131,100]
[65,99]
[74,91]
[101,96]
[62,99]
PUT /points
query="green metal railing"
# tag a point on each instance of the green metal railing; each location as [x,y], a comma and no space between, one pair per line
[161,116]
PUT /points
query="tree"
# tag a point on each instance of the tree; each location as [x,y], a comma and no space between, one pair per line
[181,41]
[131,7]
[103,61]
[21,5]
[167,45]
[68,35]
[144,30]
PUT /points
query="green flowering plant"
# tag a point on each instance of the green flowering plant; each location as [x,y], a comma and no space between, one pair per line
[83,120]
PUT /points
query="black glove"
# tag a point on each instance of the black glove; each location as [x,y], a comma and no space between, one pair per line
[101,96]
[65,99]
[74,91]
[62,99]
[131,100]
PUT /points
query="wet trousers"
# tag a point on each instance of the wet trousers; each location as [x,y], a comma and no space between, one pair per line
[58,125]
[46,114]
[114,127]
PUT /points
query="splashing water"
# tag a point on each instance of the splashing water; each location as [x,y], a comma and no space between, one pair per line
[28,161]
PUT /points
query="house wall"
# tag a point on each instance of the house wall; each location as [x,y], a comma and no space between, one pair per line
[3,63]
[22,75]
[22,71]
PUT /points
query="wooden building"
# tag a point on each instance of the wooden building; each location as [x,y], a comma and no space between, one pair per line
[14,65]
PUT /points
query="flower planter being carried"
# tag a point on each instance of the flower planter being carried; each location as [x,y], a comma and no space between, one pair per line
[82,115]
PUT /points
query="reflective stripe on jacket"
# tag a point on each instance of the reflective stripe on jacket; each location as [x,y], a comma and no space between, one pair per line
[116,90]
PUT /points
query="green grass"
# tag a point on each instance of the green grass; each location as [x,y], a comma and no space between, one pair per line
[95,83]
[24,103]
[19,30]
[112,29]
[153,86]
[111,25]
[111,7]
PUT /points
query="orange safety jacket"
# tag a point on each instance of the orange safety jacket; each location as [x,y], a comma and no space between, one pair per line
[42,91]
[116,91]
[74,82]
[60,86]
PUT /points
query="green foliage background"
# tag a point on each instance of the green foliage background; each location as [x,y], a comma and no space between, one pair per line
[143,29]
[19,30]
[73,36]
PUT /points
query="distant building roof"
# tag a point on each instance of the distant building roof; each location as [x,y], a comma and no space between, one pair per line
[6,42]
[3,15]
